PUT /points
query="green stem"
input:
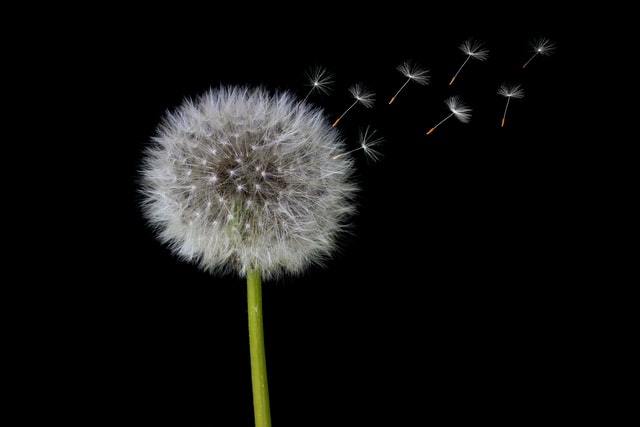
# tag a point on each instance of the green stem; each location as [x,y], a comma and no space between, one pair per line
[261,409]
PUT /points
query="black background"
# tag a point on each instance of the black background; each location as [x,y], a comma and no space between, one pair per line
[448,302]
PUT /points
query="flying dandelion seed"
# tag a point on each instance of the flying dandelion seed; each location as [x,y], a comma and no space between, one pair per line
[362,96]
[320,80]
[540,46]
[473,49]
[509,91]
[412,72]
[457,108]
[368,140]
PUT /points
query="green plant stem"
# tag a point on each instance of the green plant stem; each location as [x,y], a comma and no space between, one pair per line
[262,412]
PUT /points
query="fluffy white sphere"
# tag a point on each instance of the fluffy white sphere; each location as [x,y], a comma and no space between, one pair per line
[244,178]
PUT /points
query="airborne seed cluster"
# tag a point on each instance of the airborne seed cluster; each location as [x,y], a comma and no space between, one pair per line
[244,178]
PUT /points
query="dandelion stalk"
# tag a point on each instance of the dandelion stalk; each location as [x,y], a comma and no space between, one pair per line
[226,184]
[504,115]
[261,408]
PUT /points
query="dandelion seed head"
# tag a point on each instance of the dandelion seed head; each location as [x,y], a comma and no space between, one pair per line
[542,46]
[461,111]
[368,141]
[269,196]
[511,90]
[362,95]
[414,72]
[320,79]
[475,49]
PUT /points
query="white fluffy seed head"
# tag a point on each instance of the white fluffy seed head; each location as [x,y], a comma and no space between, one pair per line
[362,95]
[475,49]
[461,111]
[542,46]
[511,90]
[368,141]
[242,178]
[414,72]
[320,79]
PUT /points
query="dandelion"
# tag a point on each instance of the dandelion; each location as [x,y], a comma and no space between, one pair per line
[473,49]
[368,140]
[412,72]
[457,108]
[361,95]
[540,46]
[509,91]
[320,80]
[243,181]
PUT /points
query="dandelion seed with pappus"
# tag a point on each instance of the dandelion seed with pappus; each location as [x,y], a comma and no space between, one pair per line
[368,140]
[540,46]
[244,181]
[473,49]
[509,91]
[361,95]
[413,73]
[457,108]
[320,80]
